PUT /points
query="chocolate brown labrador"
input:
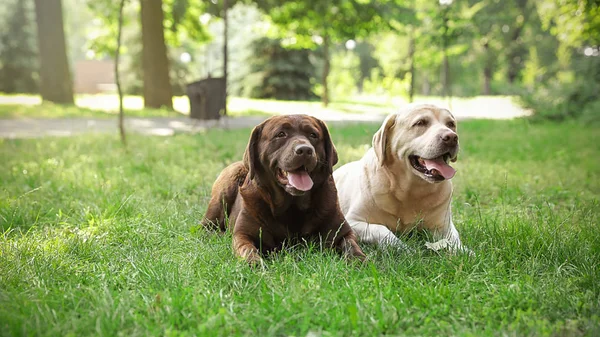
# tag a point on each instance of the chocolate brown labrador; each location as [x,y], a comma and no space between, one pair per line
[283,190]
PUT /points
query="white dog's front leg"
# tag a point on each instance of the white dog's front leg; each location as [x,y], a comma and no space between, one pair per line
[376,234]
[453,239]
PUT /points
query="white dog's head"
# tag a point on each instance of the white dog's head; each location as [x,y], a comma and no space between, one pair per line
[423,137]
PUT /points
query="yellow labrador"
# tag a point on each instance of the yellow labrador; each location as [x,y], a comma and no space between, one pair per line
[403,181]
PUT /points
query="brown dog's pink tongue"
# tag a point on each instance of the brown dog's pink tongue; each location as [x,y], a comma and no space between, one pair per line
[300,180]
[440,165]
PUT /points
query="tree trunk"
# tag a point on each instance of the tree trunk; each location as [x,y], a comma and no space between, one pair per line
[426,86]
[117,77]
[446,64]
[55,76]
[487,70]
[326,69]
[514,56]
[157,85]
[446,75]
[225,54]
[516,52]
[411,55]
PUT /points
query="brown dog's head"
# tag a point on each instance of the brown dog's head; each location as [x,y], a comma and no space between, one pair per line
[294,152]
[423,137]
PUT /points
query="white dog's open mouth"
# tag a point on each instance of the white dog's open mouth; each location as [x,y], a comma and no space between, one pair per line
[436,168]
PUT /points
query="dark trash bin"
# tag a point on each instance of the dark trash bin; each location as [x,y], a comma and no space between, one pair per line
[207,98]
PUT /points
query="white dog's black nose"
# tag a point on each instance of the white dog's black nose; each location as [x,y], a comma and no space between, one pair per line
[304,150]
[449,138]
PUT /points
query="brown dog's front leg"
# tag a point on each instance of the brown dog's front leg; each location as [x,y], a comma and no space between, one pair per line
[243,246]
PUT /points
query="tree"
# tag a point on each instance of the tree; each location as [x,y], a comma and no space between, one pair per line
[572,90]
[157,86]
[316,22]
[279,73]
[367,62]
[117,77]
[18,50]
[55,85]
[456,22]
[516,49]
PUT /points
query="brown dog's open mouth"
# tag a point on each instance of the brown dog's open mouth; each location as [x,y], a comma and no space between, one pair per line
[298,178]
[436,168]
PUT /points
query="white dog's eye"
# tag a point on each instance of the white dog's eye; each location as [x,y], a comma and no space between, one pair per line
[451,125]
[421,122]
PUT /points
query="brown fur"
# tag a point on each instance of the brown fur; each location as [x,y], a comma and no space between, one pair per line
[262,212]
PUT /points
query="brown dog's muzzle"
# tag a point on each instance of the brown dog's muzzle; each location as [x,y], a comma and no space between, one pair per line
[297,155]
[293,171]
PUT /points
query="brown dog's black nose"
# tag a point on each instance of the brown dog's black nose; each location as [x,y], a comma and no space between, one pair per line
[449,138]
[304,150]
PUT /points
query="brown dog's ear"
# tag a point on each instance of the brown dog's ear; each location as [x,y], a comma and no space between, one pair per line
[251,156]
[380,139]
[330,151]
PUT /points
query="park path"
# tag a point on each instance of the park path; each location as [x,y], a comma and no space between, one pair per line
[165,126]
[161,126]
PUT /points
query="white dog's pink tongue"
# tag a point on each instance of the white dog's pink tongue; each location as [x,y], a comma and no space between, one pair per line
[440,165]
[300,180]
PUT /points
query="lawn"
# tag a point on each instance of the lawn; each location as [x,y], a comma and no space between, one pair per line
[105,242]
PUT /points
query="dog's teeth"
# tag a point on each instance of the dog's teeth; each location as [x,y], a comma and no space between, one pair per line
[421,161]
[285,173]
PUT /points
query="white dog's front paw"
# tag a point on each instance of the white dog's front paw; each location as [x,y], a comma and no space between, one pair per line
[455,248]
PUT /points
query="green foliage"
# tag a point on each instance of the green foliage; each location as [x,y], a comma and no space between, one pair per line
[573,90]
[18,47]
[180,21]
[493,47]
[573,21]
[573,97]
[280,73]
[345,66]
[338,20]
[101,241]
[367,62]
[183,33]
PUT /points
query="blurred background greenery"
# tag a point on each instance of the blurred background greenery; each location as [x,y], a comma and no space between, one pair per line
[544,52]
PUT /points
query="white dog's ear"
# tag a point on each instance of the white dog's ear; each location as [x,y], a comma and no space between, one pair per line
[380,139]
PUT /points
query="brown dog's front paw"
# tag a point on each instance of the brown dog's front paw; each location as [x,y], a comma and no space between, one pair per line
[350,250]
[251,256]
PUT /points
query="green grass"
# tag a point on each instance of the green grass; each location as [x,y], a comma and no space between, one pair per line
[100,241]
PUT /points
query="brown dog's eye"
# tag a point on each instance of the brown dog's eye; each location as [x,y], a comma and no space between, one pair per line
[313,135]
[451,125]
[420,122]
[280,134]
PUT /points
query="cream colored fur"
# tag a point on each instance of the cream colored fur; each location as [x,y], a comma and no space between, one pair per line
[382,195]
